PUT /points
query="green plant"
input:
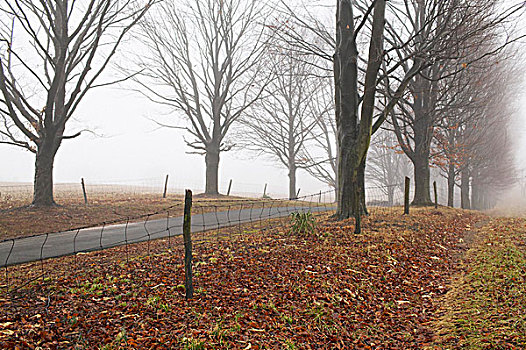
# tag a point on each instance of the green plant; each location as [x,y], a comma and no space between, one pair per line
[286,318]
[289,345]
[192,344]
[303,223]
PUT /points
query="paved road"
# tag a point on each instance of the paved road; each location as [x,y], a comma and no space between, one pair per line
[23,250]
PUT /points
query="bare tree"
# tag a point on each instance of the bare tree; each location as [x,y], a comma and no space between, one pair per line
[281,123]
[419,34]
[386,164]
[488,163]
[355,129]
[52,54]
[321,153]
[469,94]
[311,42]
[203,59]
[460,28]
[492,170]
[356,81]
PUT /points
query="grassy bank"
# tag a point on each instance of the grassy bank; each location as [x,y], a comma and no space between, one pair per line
[486,308]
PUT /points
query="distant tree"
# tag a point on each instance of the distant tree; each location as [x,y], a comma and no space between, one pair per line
[52,53]
[203,58]
[387,166]
[321,152]
[489,165]
[281,123]
[467,96]
[463,29]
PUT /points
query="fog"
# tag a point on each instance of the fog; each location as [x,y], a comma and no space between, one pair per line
[124,145]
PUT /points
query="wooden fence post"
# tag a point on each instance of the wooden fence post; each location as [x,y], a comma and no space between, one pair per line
[406,195]
[187,236]
[84,191]
[229,187]
[436,194]
[165,186]
[265,191]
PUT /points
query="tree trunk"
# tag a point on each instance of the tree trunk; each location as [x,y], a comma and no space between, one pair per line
[346,82]
[354,133]
[361,184]
[475,195]
[292,181]
[464,190]
[423,107]
[422,179]
[43,182]
[212,170]
[451,185]
[390,195]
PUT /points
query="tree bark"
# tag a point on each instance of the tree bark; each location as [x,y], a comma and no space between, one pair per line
[423,127]
[464,190]
[43,181]
[361,179]
[451,185]
[422,178]
[354,131]
[346,81]
[212,170]
[292,181]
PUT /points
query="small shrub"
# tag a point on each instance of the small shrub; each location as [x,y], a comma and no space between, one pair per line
[303,223]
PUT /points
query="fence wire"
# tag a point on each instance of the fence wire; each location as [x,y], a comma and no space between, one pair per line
[30,260]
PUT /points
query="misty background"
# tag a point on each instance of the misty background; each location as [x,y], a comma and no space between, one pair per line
[125,145]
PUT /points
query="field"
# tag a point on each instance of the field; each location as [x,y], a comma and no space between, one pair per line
[106,204]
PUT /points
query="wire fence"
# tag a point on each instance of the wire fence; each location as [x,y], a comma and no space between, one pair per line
[17,194]
[29,261]
[72,193]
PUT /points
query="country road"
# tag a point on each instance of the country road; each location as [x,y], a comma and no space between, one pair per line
[35,248]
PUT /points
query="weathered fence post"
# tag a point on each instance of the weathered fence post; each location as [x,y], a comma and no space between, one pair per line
[265,191]
[436,194]
[187,236]
[406,195]
[165,186]
[229,187]
[84,191]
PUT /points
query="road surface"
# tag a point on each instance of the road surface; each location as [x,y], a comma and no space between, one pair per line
[35,248]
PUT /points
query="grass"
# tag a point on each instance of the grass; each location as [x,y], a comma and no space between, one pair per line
[486,309]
